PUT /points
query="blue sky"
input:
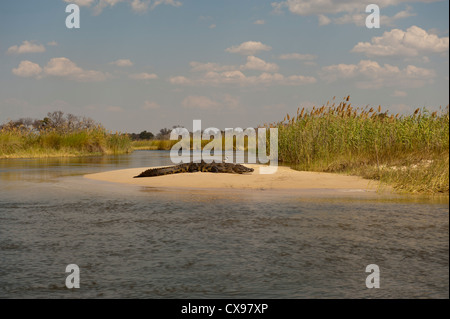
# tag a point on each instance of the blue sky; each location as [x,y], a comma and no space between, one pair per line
[139,65]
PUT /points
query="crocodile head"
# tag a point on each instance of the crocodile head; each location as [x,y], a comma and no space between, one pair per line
[241,169]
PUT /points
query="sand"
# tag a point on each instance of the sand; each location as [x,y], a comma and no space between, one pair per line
[285,178]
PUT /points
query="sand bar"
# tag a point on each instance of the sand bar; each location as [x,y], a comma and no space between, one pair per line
[284,178]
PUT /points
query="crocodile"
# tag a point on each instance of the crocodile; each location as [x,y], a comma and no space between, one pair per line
[197,167]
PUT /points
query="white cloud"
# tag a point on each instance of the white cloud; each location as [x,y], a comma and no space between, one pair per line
[143,76]
[205,103]
[324,20]
[212,26]
[215,74]
[65,68]
[27,69]
[172,3]
[254,63]
[101,4]
[26,47]
[150,105]
[298,56]
[370,75]
[314,7]
[348,11]
[412,42]
[81,3]
[199,102]
[52,44]
[122,63]
[259,22]
[59,67]
[114,109]
[138,6]
[249,48]
[213,78]
[398,93]
[206,67]
[359,19]
[180,80]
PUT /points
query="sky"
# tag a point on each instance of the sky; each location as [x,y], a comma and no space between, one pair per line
[136,65]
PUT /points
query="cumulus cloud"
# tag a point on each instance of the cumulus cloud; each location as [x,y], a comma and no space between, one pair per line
[199,102]
[371,75]
[323,20]
[81,3]
[410,43]
[249,48]
[26,47]
[150,105]
[205,103]
[259,22]
[298,56]
[314,7]
[213,78]
[27,69]
[254,63]
[143,76]
[114,109]
[172,3]
[398,93]
[59,67]
[206,67]
[180,80]
[65,68]
[349,11]
[122,63]
[215,74]
[359,18]
[138,6]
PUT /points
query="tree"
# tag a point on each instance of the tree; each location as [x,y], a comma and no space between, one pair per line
[144,135]
[163,134]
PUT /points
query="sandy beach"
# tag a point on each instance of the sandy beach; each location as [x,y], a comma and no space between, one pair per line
[284,178]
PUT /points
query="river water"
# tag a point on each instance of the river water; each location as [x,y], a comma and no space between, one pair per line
[136,242]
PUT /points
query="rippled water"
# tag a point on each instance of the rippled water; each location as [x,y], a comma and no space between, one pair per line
[136,242]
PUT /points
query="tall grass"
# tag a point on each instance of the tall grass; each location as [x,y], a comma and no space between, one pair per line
[409,152]
[153,144]
[22,142]
[166,145]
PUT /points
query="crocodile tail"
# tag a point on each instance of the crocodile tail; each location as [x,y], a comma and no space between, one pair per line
[158,172]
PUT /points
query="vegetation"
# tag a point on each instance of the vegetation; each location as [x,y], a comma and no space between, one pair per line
[59,135]
[411,152]
[153,144]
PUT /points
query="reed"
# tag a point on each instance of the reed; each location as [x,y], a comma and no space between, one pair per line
[16,142]
[409,152]
[166,145]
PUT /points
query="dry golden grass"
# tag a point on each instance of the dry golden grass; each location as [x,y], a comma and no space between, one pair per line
[363,141]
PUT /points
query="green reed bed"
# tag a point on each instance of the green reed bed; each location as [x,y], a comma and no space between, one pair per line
[411,152]
[166,145]
[16,142]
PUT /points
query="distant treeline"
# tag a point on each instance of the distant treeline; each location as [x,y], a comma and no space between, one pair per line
[53,121]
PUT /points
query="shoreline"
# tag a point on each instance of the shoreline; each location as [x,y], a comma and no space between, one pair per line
[284,179]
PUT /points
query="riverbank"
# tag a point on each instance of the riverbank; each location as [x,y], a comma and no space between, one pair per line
[284,179]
